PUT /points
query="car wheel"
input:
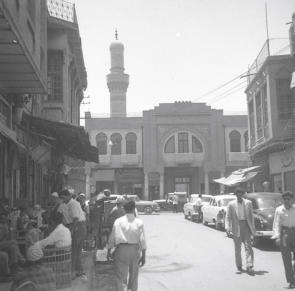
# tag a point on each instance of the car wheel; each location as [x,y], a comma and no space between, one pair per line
[203,220]
[148,210]
[255,241]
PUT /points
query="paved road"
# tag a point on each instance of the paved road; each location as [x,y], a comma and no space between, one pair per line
[183,255]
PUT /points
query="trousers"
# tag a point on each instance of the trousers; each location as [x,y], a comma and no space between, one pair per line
[245,238]
[287,245]
[126,260]
[78,238]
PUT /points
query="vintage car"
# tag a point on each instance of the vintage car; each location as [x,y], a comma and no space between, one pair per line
[148,207]
[264,205]
[164,204]
[191,210]
[215,211]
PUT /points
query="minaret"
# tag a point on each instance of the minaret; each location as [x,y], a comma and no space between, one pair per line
[117,80]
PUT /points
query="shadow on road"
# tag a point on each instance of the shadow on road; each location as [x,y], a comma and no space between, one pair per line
[267,245]
[254,273]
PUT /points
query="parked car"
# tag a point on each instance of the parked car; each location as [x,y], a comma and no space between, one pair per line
[191,210]
[264,205]
[148,207]
[165,205]
[215,211]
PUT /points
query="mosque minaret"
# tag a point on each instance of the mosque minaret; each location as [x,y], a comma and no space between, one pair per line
[117,80]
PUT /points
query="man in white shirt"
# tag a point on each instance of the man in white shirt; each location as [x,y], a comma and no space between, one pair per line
[60,237]
[240,221]
[128,238]
[78,230]
[284,233]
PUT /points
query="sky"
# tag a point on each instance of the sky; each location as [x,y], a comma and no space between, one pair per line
[177,50]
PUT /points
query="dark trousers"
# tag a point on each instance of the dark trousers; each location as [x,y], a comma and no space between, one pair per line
[4,269]
[11,248]
[78,238]
[287,245]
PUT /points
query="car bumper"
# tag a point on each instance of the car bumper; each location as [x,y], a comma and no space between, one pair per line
[264,233]
[157,209]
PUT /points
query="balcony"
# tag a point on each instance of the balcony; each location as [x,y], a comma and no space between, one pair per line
[130,160]
[183,158]
[104,160]
[272,47]
[238,157]
[61,9]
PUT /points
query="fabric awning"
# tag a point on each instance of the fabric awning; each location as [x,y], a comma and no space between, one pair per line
[70,139]
[238,176]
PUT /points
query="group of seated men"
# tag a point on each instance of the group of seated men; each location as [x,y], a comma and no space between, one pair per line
[19,268]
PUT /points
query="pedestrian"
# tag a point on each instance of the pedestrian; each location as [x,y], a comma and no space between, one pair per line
[284,233]
[35,271]
[128,240]
[117,212]
[78,230]
[175,203]
[240,222]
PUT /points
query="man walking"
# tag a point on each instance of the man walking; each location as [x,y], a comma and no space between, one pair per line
[128,238]
[78,230]
[240,221]
[284,233]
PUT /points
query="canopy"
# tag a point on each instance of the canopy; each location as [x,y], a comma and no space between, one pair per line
[69,139]
[238,176]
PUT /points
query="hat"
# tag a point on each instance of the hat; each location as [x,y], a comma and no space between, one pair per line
[54,194]
[34,253]
[120,199]
[81,194]
[288,193]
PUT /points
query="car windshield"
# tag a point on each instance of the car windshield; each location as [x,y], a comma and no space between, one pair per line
[266,202]
[205,199]
[225,201]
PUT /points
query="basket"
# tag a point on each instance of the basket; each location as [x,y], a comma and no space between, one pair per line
[60,261]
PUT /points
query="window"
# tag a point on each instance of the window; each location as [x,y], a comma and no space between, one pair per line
[265,111]
[116,140]
[258,104]
[251,122]
[101,143]
[235,141]
[55,76]
[196,145]
[284,98]
[246,141]
[131,143]
[183,142]
[170,145]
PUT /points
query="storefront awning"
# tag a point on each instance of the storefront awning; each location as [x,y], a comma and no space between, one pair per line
[238,176]
[69,139]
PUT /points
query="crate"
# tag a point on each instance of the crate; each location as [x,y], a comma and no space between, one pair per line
[60,261]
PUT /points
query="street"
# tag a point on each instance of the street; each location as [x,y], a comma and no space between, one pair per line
[183,255]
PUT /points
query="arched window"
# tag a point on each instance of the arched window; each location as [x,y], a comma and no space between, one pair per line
[235,141]
[101,143]
[183,142]
[170,145]
[131,143]
[116,140]
[196,145]
[246,140]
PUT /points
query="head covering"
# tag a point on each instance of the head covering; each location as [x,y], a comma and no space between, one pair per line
[54,194]
[120,199]
[288,193]
[81,194]
[34,253]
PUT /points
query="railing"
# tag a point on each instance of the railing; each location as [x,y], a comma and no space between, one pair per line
[272,47]
[61,9]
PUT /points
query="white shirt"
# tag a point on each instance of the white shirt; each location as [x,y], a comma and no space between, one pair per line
[75,210]
[127,229]
[63,209]
[198,201]
[283,217]
[60,237]
[241,210]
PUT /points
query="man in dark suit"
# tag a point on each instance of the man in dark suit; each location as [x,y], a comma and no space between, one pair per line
[240,221]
